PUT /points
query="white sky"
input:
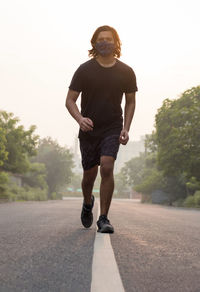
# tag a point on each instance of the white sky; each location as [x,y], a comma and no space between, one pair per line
[44,41]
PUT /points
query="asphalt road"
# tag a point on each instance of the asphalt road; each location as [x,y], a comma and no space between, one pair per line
[43,247]
[157,248]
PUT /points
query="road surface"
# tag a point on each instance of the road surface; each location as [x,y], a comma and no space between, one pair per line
[43,247]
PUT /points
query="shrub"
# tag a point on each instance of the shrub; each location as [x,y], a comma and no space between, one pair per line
[189,201]
[197,198]
[56,196]
[3,185]
[27,194]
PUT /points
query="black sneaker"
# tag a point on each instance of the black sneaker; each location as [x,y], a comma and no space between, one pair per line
[86,214]
[104,225]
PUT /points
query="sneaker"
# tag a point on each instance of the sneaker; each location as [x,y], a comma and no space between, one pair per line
[104,225]
[86,214]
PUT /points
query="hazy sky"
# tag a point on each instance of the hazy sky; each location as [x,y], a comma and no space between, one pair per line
[44,41]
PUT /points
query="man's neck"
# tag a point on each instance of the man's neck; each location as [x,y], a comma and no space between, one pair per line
[106,61]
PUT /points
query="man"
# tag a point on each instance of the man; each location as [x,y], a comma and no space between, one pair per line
[102,81]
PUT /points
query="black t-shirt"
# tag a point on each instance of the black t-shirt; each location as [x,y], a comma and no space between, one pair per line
[101,90]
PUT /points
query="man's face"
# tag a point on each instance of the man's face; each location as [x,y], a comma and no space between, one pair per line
[105,36]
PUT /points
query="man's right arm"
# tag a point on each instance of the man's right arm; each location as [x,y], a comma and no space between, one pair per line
[85,123]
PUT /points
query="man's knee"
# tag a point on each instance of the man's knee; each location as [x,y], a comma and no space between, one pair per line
[107,166]
[89,176]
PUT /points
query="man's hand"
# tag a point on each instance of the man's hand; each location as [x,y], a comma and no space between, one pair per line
[86,124]
[124,137]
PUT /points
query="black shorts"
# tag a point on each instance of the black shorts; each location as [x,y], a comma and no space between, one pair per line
[92,150]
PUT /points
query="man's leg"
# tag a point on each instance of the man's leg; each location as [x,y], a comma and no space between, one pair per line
[107,183]
[88,180]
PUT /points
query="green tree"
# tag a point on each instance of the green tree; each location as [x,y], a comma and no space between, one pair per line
[143,174]
[19,144]
[75,182]
[178,135]
[151,145]
[58,162]
[152,180]
[192,185]
[36,176]
[120,183]
[171,162]
[133,170]
[3,152]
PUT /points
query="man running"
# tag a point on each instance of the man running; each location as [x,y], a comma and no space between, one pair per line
[102,80]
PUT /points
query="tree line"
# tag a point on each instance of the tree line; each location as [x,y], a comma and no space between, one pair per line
[169,169]
[41,166]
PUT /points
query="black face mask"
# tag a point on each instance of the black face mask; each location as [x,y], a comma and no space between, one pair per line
[105,48]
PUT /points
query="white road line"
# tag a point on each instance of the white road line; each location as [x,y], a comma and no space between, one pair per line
[105,273]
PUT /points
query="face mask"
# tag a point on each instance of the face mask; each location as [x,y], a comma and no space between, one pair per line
[105,48]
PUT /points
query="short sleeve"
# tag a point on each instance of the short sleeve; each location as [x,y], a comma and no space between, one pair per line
[77,81]
[130,82]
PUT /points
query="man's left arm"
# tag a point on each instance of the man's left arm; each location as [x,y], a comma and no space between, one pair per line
[128,116]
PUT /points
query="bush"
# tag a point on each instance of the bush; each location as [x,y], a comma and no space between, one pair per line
[27,194]
[56,196]
[189,202]
[152,181]
[193,201]
[3,185]
[197,198]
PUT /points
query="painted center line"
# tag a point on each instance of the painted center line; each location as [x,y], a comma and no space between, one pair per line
[105,273]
